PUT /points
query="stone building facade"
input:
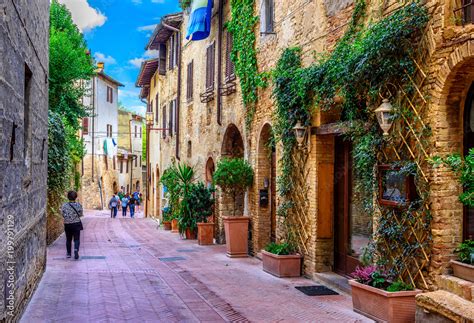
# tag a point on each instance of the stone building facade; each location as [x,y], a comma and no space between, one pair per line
[24,31]
[99,169]
[212,127]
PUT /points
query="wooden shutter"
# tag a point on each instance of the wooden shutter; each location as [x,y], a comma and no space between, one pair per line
[162,62]
[85,126]
[175,115]
[171,54]
[229,65]
[111,95]
[210,67]
[170,125]
[189,81]
[136,131]
[121,166]
[157,109]
[114,162]
[164,121]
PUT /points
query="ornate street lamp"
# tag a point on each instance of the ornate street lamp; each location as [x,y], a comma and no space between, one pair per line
[300,133]
[149,118]
[384,114]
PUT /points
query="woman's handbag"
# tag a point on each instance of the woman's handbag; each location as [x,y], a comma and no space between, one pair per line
[81,227]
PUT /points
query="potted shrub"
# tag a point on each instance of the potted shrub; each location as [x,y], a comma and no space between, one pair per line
[171,187]
[166,211]
[464,268]
[234,176]
[202,203]
[380,298]
[281,260]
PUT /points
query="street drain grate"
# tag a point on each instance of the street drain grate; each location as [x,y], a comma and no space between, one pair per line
[186,250]
[169,259]
[316,290]
[92,257]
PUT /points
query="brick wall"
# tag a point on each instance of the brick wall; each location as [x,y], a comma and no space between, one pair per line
[23,151]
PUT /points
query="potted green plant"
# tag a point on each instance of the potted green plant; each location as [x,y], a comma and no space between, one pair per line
[171,187]
[281,260]
[377,296]
[186,220]
[234,176]
[464,268]
[166,212]
[202,204]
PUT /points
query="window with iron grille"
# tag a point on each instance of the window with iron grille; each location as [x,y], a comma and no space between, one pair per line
[162,62]
[468,11]
[229,65]
[210,67]
[267,16]
[157,109]
[164,121]
[189,82]
[85,126]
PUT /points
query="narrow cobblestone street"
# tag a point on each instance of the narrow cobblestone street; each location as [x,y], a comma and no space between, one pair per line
[131,271]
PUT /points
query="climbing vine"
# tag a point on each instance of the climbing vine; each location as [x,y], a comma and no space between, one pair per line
[244,54]
[364,61]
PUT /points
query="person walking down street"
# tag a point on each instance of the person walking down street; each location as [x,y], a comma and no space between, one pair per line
[72,213]
[136,196]
[113,205]
[131,205]
[125,200]
[120,195]
[140,200]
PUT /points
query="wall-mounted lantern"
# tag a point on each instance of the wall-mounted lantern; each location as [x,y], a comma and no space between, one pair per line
[149,118]
[300,133]
[384,114]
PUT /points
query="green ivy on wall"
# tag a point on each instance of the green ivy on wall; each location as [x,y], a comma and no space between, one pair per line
[364,61]
[244,55]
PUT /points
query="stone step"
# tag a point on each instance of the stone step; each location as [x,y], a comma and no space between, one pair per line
[458,286]
[443,306]
[338,282]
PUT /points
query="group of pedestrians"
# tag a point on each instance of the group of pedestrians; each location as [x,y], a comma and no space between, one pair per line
[125,201]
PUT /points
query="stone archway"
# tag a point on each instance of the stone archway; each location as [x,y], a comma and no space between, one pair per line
[451,85]
[265,189]
[232,147]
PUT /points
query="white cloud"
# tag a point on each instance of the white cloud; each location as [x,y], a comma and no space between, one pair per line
[147,28]
[149,54]
[128,93]
[84,16]
[99,57]
[139,109]
[137,1]
[158,1]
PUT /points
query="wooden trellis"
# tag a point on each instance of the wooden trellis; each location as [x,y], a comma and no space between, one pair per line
[411,143]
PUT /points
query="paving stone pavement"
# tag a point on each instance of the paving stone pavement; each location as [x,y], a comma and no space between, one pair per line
[132,271]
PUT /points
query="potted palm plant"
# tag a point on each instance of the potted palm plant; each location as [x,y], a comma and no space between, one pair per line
[377,296]
[281,260]
[234,176]
[202,204]
[464,268]
[186,220]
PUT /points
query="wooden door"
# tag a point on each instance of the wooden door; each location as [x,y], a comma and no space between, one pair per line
[468,220]
[352,226]
[273,197]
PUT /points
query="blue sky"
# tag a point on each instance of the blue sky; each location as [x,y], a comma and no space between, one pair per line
[117,31]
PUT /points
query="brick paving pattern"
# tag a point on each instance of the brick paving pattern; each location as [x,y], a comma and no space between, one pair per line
[131,271]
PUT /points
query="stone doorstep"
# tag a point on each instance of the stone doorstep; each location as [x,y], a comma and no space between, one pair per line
[335,281]
[447,305]
[458,286]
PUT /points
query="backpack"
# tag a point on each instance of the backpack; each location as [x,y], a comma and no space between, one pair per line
[114,202]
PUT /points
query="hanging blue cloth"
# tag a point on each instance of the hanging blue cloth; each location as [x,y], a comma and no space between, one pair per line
[199,25]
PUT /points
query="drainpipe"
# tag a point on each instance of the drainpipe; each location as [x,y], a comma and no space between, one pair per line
[93,125]
[219,61]
[178,94]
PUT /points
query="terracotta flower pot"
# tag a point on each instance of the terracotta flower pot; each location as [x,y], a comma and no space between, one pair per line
[205,233]
[281,265]
[236,235]
[174,226]
[167,225]
[190,234]
[462,270]
[384,306]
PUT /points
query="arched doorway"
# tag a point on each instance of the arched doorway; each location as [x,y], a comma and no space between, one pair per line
[137,186]
[265,222]
[232,147]
[468,143]
[114,188]
[210,168]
